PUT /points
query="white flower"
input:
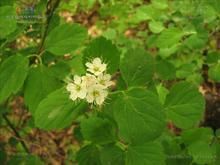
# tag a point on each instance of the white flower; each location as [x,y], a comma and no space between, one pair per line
[93,87]
[96,66]
[105,80]
[77,89]
[89,80]
[96,94]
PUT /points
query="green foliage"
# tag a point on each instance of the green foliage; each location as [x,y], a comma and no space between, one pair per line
[57,111]
[157,53]
[156,27]
[112,155]
[105,50]
[98,130]
[184,105]
[169,37]
[137,67]
[8,22]
[138,108]
[38,85]
[65,38]
[145,153]
[197,141]
[89,155]
[13,72]
[214,72]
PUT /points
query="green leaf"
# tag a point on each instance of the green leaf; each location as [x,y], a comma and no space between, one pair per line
[214,72]
[139,115]
[110,34]
[213,57]
[23,158]
[57,111]
[165,70]
[38,85]
[185,70]
[156,26]
[160,4]
[146,12]
[215,4]
[162,93]
[167,52]
[137,67]
[60,70]
[112,155]
[202,153]
[8,21]
[184,105]
[145,154]
[195,42]
[3,155]
[65,38]
[6,2]
[169,37]
[98,130]
[88,155]
[175,155]
[217,159]
[194,135]
[13,72]
[77,66]
[104,49]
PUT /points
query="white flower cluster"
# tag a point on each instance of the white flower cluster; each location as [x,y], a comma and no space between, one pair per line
[93,86]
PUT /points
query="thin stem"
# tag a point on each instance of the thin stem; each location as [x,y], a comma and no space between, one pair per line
[51,7]
[37,56]
[15,132]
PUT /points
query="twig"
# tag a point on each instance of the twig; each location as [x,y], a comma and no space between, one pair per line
[51,7]
[15,132]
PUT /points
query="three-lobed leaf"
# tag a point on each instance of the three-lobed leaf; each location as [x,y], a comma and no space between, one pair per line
[184,105]
[138,114]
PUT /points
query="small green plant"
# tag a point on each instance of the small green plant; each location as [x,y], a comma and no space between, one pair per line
[131,93]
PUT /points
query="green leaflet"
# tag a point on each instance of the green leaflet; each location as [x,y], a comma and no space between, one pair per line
[13,72]
[139,115]
[137,67]
[184,105]
[214,72]
[65,38]
[165,70]
[27,159]
[105,50]
[145,154]
[112,155]
[198,142]
[156,26]
[98,130]
[169,37]
[38,85]
[8,21]
[88,155]
[160,4]
[57,111]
